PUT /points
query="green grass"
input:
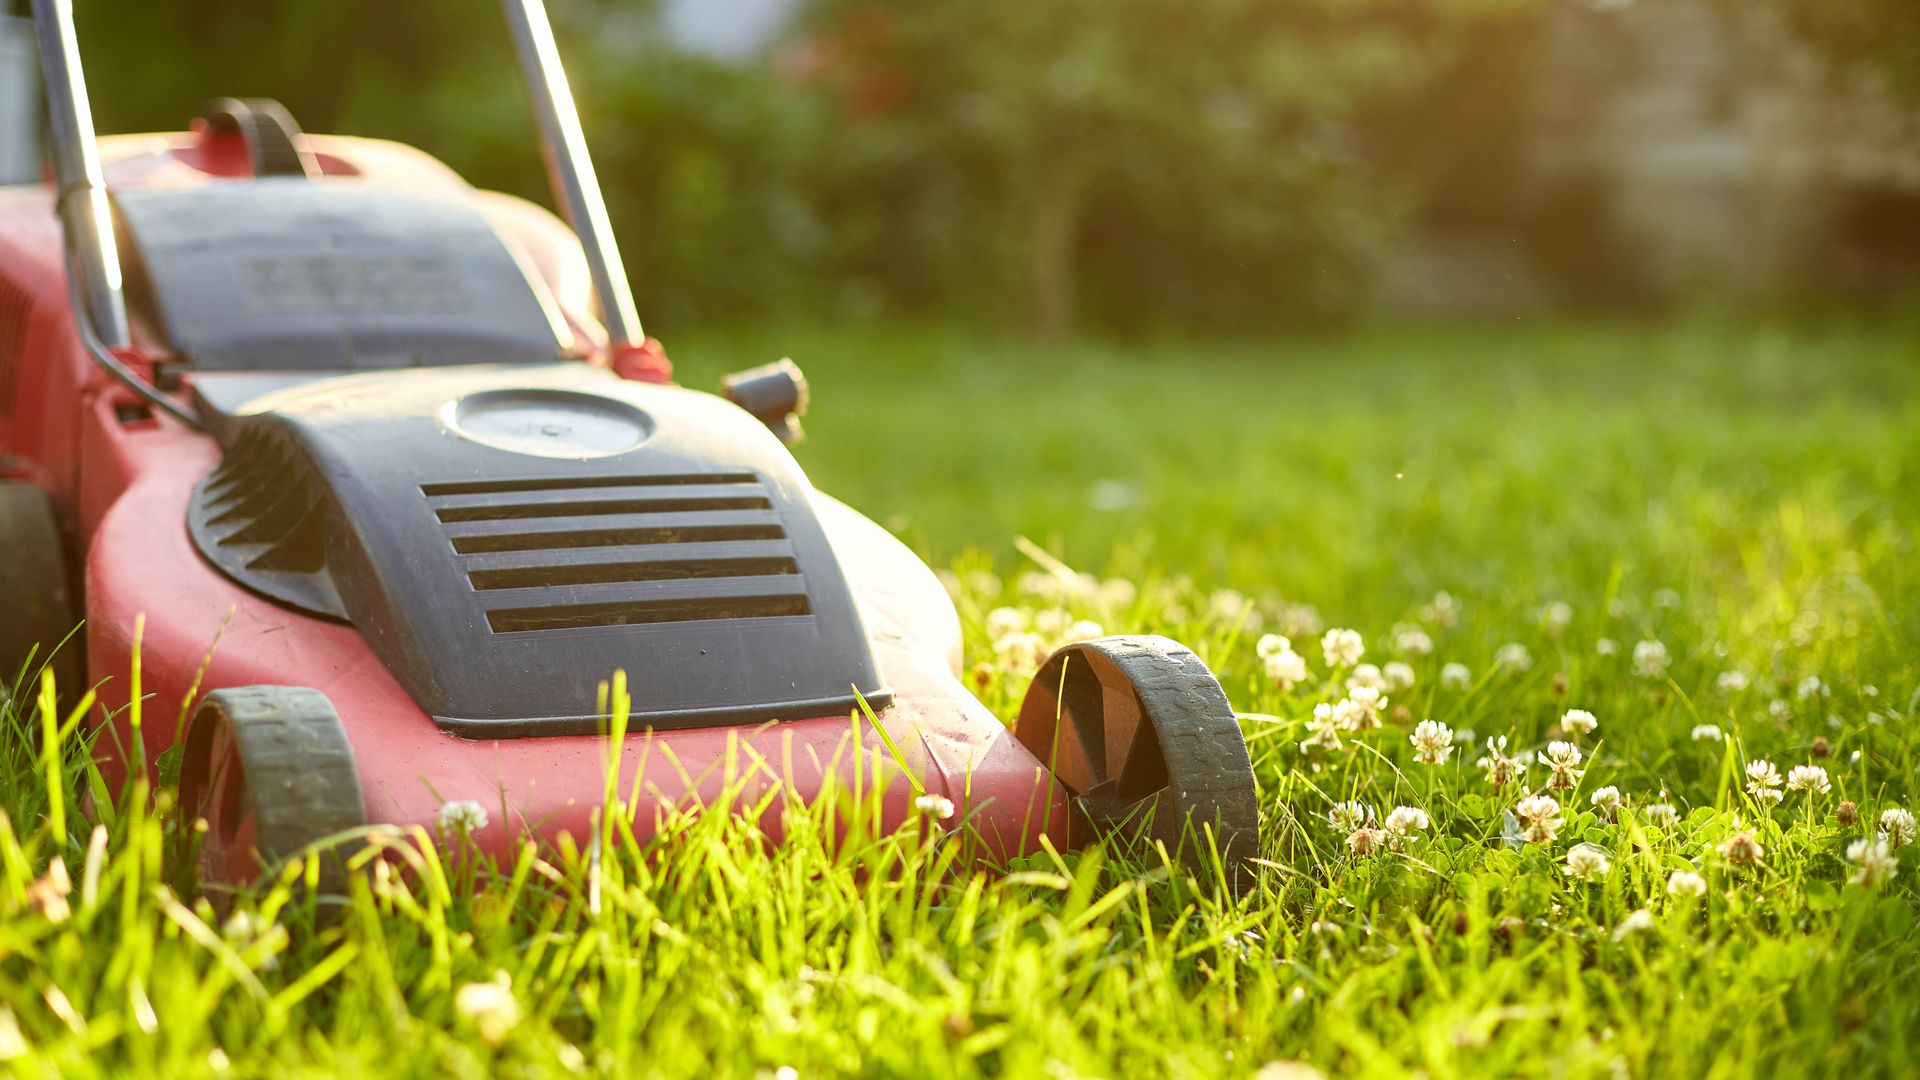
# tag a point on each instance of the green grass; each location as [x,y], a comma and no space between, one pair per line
[1745,496]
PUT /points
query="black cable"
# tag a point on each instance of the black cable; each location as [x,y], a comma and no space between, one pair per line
[83,323]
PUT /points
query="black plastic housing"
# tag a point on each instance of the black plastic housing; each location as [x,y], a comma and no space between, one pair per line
[507,537]
[282,274]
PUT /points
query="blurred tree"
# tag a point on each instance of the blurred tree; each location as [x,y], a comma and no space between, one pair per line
[1209,126]
[1126,162]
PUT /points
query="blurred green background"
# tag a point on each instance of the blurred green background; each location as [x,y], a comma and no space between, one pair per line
[1139,167]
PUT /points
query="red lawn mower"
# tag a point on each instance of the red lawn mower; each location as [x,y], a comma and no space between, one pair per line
[401,446]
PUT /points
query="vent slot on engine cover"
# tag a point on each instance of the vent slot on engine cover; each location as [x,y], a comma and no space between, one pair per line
[565,564]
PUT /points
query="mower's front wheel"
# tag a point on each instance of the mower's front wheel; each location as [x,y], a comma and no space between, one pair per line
[1141,733]
[270,771]
[36,598]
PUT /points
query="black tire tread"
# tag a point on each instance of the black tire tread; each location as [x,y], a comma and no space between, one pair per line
[302,783]
[1209,772]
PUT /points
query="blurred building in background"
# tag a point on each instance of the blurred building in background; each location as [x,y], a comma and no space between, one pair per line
[1729,157]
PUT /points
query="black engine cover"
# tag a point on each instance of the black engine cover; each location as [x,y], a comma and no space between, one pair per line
[278,274]
[506,537]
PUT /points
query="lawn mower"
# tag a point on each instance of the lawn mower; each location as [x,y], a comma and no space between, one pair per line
[395,482]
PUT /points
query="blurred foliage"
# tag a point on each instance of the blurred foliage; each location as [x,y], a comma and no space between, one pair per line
[1127,164]
[1145,161]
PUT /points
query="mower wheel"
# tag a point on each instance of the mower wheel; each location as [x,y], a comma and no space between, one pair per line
[35,594]
[1141,733]
[271,772]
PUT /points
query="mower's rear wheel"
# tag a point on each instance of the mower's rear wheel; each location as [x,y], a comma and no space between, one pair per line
[1141,733]
[36,599]
[270,771]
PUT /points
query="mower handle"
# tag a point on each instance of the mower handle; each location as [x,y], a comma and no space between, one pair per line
[570,168]
[86,216]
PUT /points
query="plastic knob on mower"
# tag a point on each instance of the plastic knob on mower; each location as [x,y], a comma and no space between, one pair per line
[775,393]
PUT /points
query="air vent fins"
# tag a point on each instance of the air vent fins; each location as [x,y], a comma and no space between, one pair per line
[261,516]
[580,552]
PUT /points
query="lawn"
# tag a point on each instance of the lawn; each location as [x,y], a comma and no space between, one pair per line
[1704,535]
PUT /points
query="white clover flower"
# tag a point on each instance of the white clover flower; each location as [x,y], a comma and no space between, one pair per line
[1432,742]
[1779,709]
[1116,593]
[1271,645]
[489,1006]
[1286,668]
[1444,611]
[1578,722]
[1002,621]
[1809,688]
[1413,641]
[1686,883]
[1606,800]
[1556,616]
[1021,649]
[1731,682]
[1366,840]
[1638,921]
[983,583]
[1606,646]
[1366,676]
[1399,676]
[1763,781]
[932,805]
[1084,630]
[1052,622]
[1501,770]
[1539,817]
[1513,655]
[1363,705]
[1650,659]
[1039,584]
[1707,733]
[1229,605]
[1348,816]
[1455,677]
[462,816]
[1811,778]
[1586,862]
[1662,814]
[1404,821]
[1298,620]
[1897,826]
[1342,647]
[242,927]
[1324,729]
[1873,860]
[1563,758]
[1742,847]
